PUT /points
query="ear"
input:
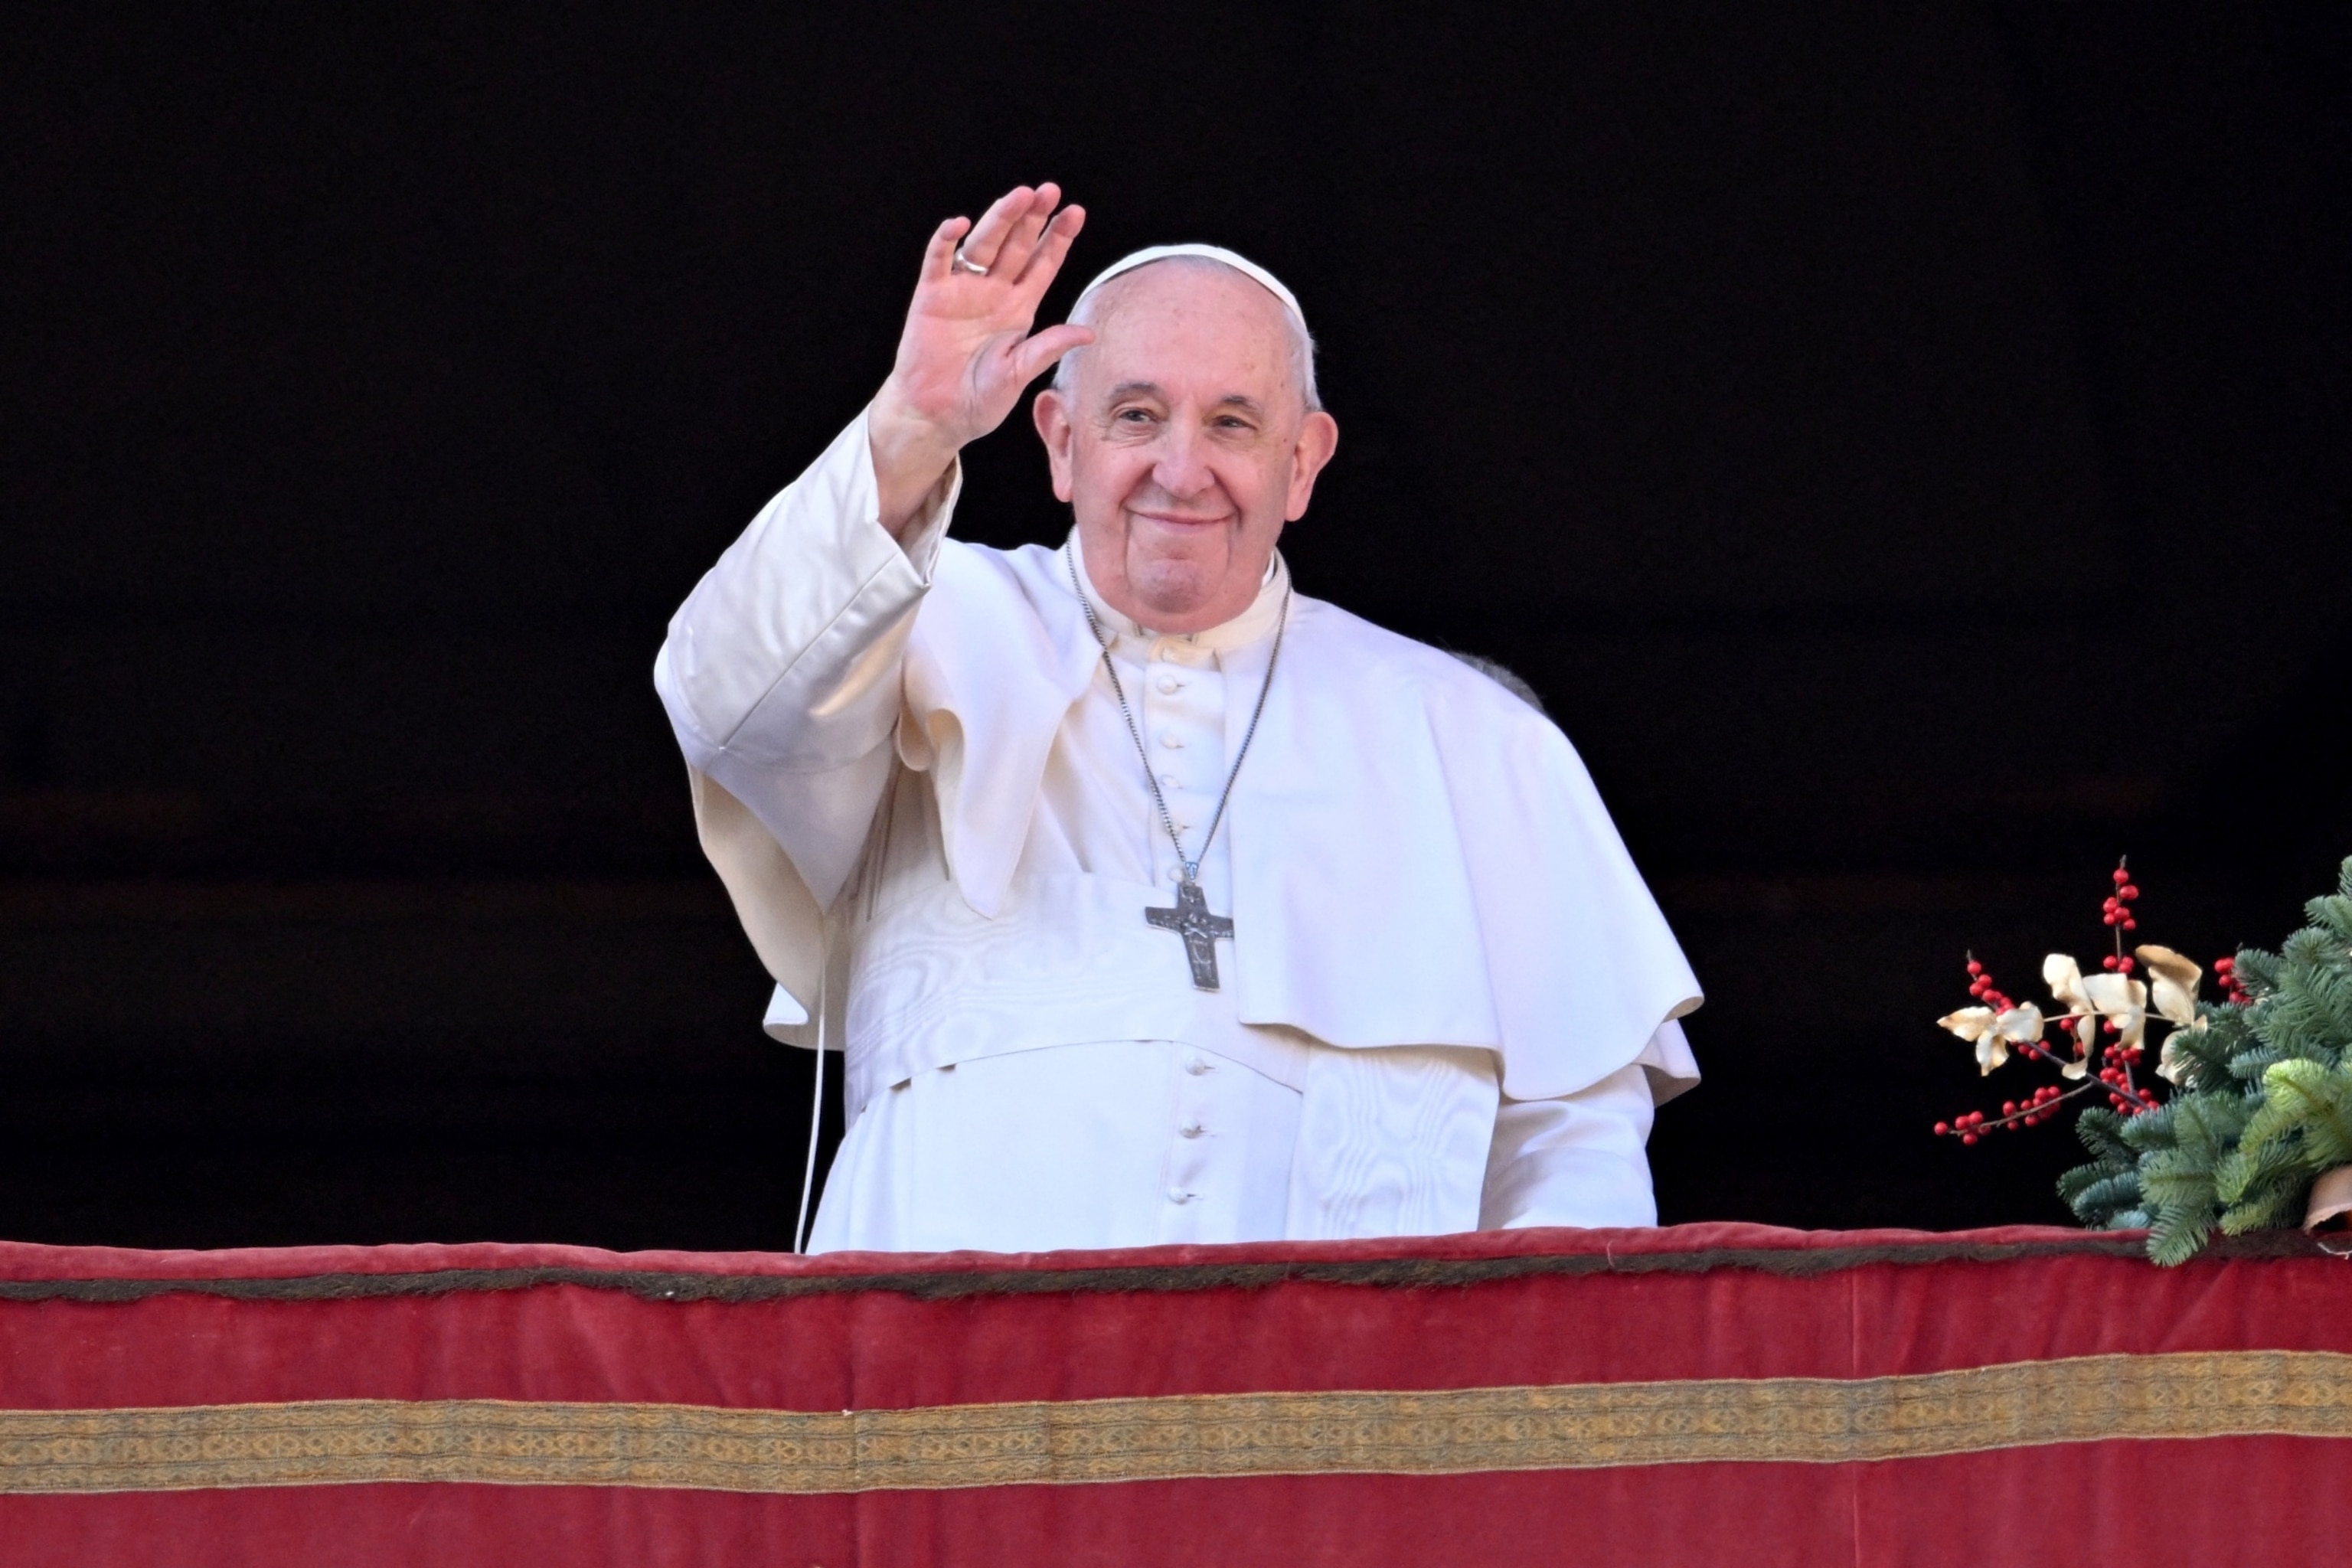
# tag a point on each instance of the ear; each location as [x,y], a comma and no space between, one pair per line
[1050,414]
[1319,438]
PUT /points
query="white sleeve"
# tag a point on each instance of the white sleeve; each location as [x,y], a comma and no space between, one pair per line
[782,672]
[1578,1159]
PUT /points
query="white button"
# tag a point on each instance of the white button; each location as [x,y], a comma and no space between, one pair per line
[1194,1065]
[1172,739]
[1190,1130]
[1175,873]
[1179,1195]
[1170,683]
[1167,781]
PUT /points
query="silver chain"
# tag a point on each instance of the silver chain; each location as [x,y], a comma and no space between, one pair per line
[1191,867]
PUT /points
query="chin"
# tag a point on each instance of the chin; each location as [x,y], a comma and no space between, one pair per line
[1178,591]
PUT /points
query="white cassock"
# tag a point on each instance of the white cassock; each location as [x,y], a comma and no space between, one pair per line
[1449,1002]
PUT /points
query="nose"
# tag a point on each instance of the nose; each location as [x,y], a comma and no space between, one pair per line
[1183,469]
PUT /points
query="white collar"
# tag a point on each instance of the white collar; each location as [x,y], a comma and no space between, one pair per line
[1255,621]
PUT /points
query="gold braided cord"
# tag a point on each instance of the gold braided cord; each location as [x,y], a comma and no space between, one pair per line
[1784,1420]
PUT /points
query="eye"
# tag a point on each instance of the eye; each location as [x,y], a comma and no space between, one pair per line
[1133,416]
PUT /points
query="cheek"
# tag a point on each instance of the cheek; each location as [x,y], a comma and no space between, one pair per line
[1113,472]
[1252,483]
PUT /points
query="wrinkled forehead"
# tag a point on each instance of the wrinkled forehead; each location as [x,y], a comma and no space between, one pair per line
[1173,320]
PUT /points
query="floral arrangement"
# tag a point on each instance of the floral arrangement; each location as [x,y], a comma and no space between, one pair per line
[2259,1097]
[2114,1003]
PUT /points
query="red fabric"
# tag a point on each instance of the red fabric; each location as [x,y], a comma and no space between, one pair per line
[874,1349]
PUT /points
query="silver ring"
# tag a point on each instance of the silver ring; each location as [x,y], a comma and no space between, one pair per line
[963,263]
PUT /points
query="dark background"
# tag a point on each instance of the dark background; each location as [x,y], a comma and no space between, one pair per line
[1904,446]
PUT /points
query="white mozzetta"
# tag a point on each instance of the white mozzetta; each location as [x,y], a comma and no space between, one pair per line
[1449,998]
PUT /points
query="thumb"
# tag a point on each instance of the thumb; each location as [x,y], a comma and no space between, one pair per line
[1032,358]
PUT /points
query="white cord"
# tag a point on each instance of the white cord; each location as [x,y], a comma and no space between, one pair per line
[816,1120]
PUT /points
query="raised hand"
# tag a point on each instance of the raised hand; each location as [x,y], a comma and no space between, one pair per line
[967,351]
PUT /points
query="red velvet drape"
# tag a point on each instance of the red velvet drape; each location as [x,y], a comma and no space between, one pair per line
[1688,1312]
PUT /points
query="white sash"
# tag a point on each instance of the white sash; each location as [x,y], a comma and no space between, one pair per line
[1068,960]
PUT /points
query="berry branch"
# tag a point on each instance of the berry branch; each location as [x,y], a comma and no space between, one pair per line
[2116,1002]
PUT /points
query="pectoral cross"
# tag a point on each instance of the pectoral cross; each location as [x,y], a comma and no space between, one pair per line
[1192,920]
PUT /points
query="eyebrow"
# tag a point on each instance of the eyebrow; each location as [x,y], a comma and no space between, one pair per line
[1153,389]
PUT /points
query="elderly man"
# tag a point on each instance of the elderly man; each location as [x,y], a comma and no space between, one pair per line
[1150,901]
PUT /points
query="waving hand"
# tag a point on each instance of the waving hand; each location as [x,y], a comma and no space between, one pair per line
[967,351]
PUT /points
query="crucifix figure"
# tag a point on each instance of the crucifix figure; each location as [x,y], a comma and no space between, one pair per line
[1192,920]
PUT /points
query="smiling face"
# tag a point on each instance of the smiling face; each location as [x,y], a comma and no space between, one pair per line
[1184,443]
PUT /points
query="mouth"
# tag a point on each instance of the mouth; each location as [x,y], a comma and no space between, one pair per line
[1171,520]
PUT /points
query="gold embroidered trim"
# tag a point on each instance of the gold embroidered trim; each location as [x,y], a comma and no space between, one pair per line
[1790,1420]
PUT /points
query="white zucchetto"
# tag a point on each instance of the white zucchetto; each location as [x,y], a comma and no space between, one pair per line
[1217,253]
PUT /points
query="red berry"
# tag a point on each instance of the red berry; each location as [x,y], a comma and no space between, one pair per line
[1968,1138]
[1943,1129]
[2131,925]
[2121,876]
[2224,965]
[2129,892]
[2124,965]
[2108,962]
[1975,968]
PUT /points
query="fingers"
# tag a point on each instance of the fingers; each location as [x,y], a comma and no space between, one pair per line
[1021,237]
[1016,226]
[996,225]
[1053,248]
[1031,357]
[939,256]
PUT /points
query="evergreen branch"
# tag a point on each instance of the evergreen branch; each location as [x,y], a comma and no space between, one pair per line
[2315,995]
[2257,971]
[2105,1196]
[2272,1209]
[2333,912]
[2101,1130]
[2309,1101]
